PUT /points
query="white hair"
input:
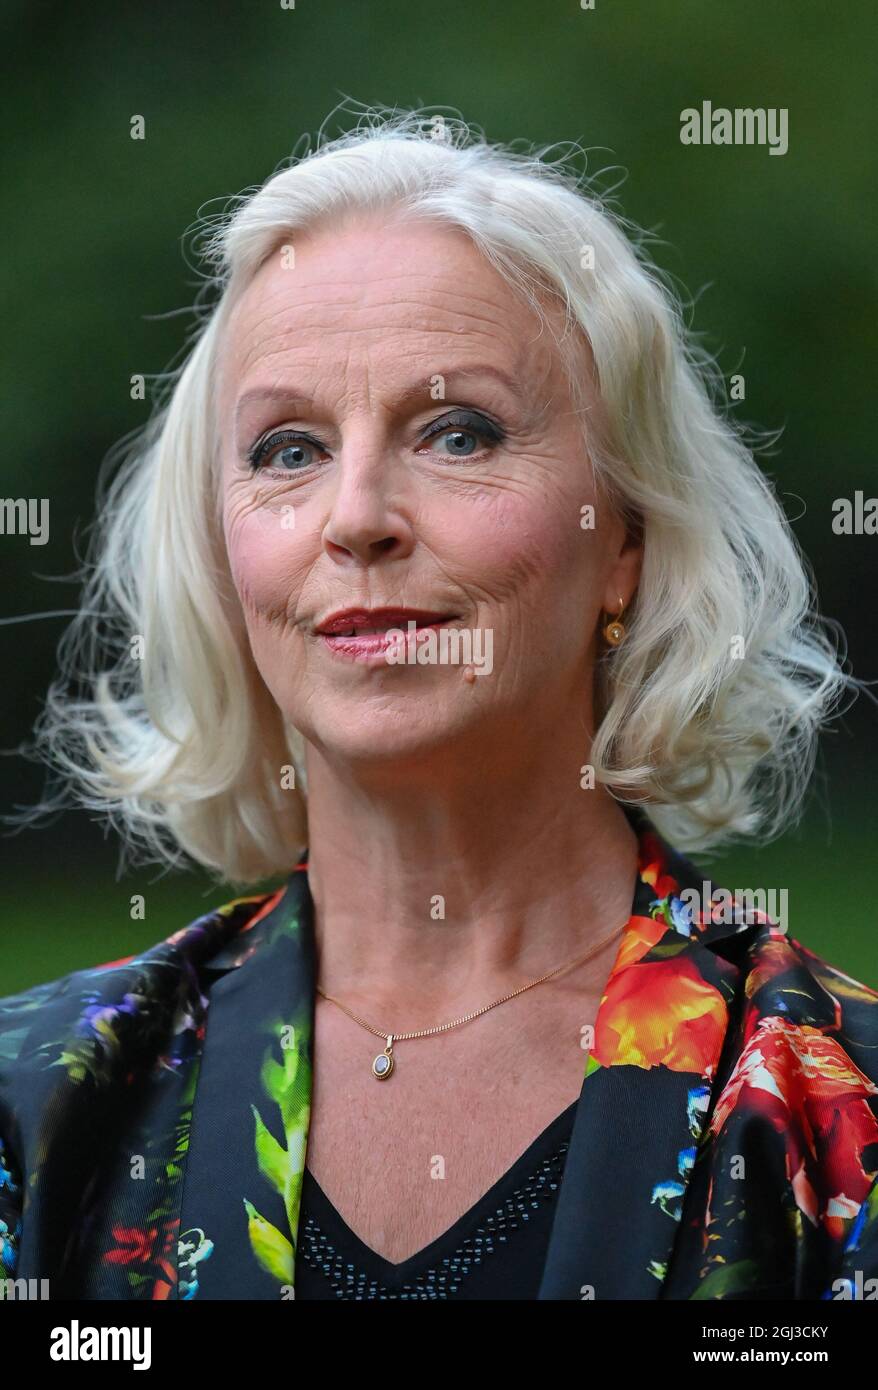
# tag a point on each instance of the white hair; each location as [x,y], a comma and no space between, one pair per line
[708,713]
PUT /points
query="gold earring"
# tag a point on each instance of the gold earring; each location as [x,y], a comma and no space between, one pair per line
[614,631]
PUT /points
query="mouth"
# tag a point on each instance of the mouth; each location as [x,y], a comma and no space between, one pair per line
[361,634]
[369,622]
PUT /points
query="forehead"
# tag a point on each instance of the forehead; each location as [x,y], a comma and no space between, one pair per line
[380,290]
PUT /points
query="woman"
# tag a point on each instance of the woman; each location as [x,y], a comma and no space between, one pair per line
[440,531]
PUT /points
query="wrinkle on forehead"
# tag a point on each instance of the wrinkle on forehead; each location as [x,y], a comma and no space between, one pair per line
[354,284]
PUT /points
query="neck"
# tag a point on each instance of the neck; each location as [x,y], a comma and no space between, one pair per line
[434,893]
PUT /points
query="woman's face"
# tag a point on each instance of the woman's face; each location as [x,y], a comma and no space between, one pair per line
[416,447]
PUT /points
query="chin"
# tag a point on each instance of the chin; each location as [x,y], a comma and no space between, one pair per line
[393,733]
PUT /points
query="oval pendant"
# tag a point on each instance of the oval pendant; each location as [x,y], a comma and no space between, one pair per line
[383,1064]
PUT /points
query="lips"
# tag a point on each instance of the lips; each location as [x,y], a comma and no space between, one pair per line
[361,622]
[362,635]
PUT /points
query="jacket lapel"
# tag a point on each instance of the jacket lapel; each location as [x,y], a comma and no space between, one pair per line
[245,1149]
[658,1040]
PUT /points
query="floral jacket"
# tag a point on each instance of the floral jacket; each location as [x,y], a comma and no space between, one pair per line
[154,1113]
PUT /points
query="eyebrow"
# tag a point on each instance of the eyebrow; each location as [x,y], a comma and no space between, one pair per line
[290,396]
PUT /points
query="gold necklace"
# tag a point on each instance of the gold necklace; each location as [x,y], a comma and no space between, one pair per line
[384,1063]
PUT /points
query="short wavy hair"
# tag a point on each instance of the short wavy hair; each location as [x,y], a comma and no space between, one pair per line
[709,711]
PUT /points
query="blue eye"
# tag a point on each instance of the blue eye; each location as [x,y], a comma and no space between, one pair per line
[284,451]
[462,427]
[461,442]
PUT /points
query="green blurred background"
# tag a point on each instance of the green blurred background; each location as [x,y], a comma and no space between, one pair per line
[777,252]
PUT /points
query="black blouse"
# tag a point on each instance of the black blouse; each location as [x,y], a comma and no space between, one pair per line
[496,1250]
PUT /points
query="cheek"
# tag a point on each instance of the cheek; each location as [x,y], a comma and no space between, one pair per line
[265,562]
[523,547]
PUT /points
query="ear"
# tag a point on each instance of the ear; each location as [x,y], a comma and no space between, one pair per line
[624,574]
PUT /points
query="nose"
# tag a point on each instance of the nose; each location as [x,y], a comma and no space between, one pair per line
[367,519]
